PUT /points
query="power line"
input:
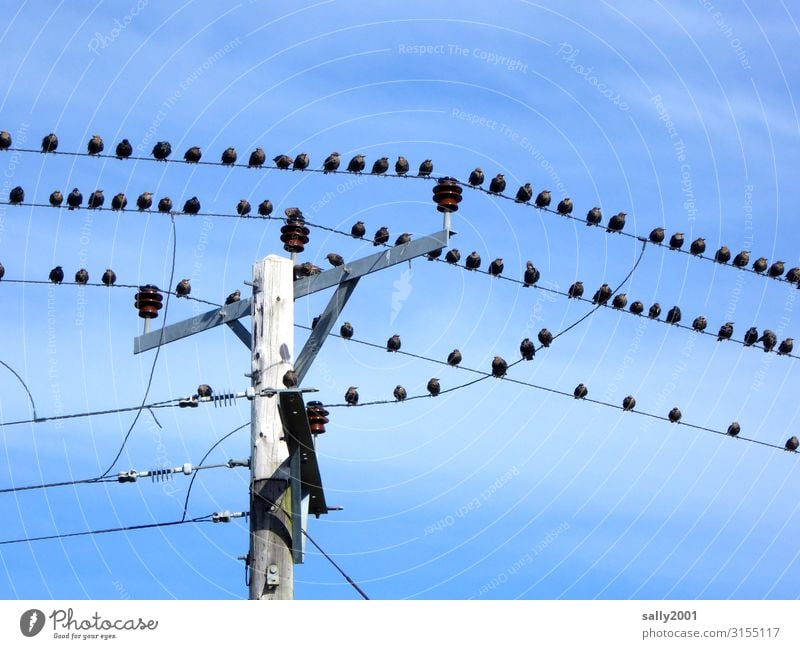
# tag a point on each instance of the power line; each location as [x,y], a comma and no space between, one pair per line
[171,403]
[24,385]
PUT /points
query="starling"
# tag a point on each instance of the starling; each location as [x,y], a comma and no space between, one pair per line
[257,158]
[56,275]
[334,259]
[358,230]
[192,206]
[602,295]
[454,358]
[402,239]
[109,277]
[698,246]
[124,149]
[792,443]
[676,240]
[183,288]
[793,275]
[581,391]
[434,388]
[674,415]
[401,167]
[49,143]
[234,297]
[473,261]
[400,393]
[119,202]
[545,337]
[243,207]
[281,161]
[499,367]
[351,396]
[290,379]
[193,154]
[306,269]
[5,140]
[96,199]
[74,198]
[346,331]
[381,236]
[426,168]
[162,150]
[723,255]
[95,145]
[2,271]
[331,163]
[657,235]
[82,276]
[204,390]
[628,403]
[434,254]
[524,193]
[145,201]
[16,195]
[380,166]
[699,323]
[616,223]
[315,322]
[527,349]
[165,204]
[674,315]
[531,275]
[453,256]
[760,265]
[393,344]
[56,198]
[265,207]
[543,199]
[229,156]
[564,206]
[751,337]
[620,301]
[300,162]
[476,177]
[768,339]
[594,216]
[498,184]
[741,259]
[725,331]
[654,311]
[576,290]
[734,429]
[496,267]
[637,308]
[356,164]
[776,270]
[786,346]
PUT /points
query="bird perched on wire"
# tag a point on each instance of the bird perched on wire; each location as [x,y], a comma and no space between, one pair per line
[524,193]
[453,256]
[426,168]
[56,275]
[161,150]
[628,403]
[594,216]
[229,156]
[473,261]
[335,259]
[82,276]
[531,275]
[381,236]
[620,301]
[434,388]
[497,184]
[750,337]
[290,379]
[760,265]
[786,346]
[741,259]
[734,429]
[676,240]
[602,295]
[243,207]
[723,255]
[545,337]
[454,358]
[56,198]
[346,331]
[393,344]
[499,367]
[380,166]
[654,311]
[183,288]
[193,154]
[674,415]
[119,202]
[145,201]
[434,254]
[351,396]
[792,443]
[49,143]
[402,239]
[401,166]
[95,145]
[699,323]
[96,199]
[356,164]
[2,268]
[725,331]
[616,222]
[5,140]
[793,275]
[358,230]
[575,290]
[204,391]
[331,163]
[496,267]
[124,149]
[776,270]
[233,297]
[74,199]
[674,315]
[165,204]
[400,393]
[637,308]
[257,158]
[768,339]
[476,177]
[564,206]
[543,199]
[301,162]
[192,206]
[265,207]
[527,349]
[657,235]
[16,195]
[581,391]
[281,161]
[109,277]
[698,246]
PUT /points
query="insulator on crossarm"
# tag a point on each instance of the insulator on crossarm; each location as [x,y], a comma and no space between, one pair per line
[447,194]
[317,416]
[294,234]
[148,301]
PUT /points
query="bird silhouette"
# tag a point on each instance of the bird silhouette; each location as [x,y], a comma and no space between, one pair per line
[96,199]
[750,336]
[204,391]
[358,230]
[380,166]
[56,198]
[335,259]
[527,349]
[545,337]
[183,288]
[723,255]
[760,265]
[229,156]
[628,403]
[234,297]
[301,162]
[315,321]
[792,443]
[620,301]
[564,206]
[265,207]
[192,206]
[49,143]
[581,391]
[119,202]
[473,261]
[524,193]
[497,184]
[734,429]
[402,239]
[82,276]
[602,295]
[576,290]
[346,331]
[16,195]
[657,235]
[725,331]
[499,367]
[426,168]
[56,275]
[454,358]
[768,339]
[193,154]
[676,240]
[109,277]
[698,246]
[243,207]
[434,254]
[145,201]
[351,396]
[356,164]
[161,150]
[400,393]
[5,140]
[674,415]
[654,311]
[381,236]
[393,344]
[165,204]
[776,270]
[699,323]
[453,256]
[636,308]
[74,198]
[401,166]
[257,158]
[434,388]
[616,222]
[543,199]
[281,161]
[531,275]
[290,379]
[2,268]
[594,216]
[793,275]
[476,177]
[331,163]
[674,315]
[496,267]
[786,346]
[741,259]
[95,145]
[124,149]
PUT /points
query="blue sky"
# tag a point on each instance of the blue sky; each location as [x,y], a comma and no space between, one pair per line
[493,491]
